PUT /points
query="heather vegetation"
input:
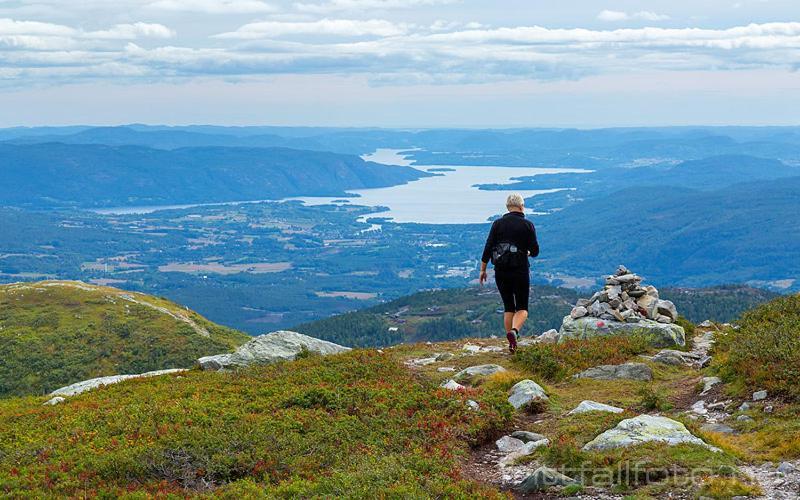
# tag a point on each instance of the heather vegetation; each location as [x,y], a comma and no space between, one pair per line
[53,334]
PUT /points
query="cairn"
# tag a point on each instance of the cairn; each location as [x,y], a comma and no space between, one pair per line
[625,300]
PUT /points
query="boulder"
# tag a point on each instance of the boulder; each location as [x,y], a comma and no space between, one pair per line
[478,371]
[543,478]
[508,444]
[578,312]
[786,468]
[587,406]
[709,383]
[270,348]
[525,392]
[54,401]
[662,334]
[473,405]
[629,371]
[759,395]
[548,337]
[667,308]
[452,385]
[670,357]
[644,429]
[88,385]
[527,436]
[717,428]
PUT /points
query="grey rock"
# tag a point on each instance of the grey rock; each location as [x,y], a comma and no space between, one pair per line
[54,401]
[443,369]
[667,308]
[508,444]
[548,337]
[629,371]
[644,429]
[718,428]
[578,312]
[452,385]
[651,291]
[786,468]
[662,335]
[527,436]
[543,478]
[744,418]
[587,406]
[445,356]
[768,409]
[759,395]
[709,383]
[478,371]
[524,392]
[706,324]
[270,348]
[670,357]
[473,405]
[88,385]
[745,406]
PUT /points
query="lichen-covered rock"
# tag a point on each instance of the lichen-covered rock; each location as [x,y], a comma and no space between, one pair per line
[452,385]
[478,371]
[88,385]
[525,392]
[543,478]
[644,429]
[527,436]
[270,348]
[625,371]
[587,406]
[662,334]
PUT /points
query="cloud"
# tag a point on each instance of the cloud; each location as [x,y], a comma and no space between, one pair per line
[132,32]
[644,15]
[335,27]
[386,52]
[214,6]
[361,5]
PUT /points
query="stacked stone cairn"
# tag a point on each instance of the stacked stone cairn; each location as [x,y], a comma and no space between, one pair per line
[624,299]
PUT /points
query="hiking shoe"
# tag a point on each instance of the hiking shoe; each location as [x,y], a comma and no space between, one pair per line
[512,342]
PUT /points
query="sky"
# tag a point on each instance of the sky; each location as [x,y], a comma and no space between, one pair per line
[400,63]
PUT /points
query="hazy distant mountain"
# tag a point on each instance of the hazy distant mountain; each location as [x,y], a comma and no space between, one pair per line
[682,236]
[56,174]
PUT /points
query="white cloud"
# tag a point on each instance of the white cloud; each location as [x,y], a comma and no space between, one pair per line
[644,15]
[13,27]
[336,27]
[359,5]
[132,31]
[214,6]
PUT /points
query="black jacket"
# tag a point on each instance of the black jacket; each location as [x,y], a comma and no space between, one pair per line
[513,228]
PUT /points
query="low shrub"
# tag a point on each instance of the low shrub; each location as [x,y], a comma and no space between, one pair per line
[555,362]
[728,487]
[764,351]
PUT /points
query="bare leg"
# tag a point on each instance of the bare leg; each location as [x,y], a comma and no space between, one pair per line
[508,321]
[518,319]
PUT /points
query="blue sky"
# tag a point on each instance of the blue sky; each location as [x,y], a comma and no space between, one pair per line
[398,63]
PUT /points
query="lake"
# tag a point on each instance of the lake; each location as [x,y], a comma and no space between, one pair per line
[450,197]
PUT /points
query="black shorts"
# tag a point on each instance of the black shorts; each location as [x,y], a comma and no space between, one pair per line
[514,287]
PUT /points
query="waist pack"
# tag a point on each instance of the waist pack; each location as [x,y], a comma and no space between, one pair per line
[507,255]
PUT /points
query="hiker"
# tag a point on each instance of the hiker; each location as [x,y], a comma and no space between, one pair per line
[511,241]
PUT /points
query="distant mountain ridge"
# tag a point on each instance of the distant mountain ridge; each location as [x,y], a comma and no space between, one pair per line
[57,174]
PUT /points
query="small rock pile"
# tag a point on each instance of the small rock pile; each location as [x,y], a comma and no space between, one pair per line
[624,299]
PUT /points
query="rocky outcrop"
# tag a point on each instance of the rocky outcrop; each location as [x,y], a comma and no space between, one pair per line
[88,385]
[543,478]
[624,307]
[270,348]
[629,371]
[587,406]
[525,392]
[477,371]
[644,429]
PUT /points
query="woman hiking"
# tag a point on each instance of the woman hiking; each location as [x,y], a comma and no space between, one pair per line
[511,241]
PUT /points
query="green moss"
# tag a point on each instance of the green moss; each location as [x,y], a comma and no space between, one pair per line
[56,333]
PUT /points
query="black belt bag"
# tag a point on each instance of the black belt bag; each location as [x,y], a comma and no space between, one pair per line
[505,255]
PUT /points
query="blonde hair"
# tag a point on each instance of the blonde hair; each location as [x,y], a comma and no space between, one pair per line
[515,200]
